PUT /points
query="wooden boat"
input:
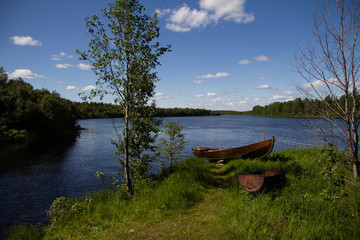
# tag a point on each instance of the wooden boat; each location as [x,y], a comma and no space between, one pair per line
[255,182]
[255,150]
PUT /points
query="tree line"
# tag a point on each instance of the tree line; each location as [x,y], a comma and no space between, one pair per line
[25,110]
[299,108]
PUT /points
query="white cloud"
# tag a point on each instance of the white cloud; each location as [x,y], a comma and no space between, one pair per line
[83,66]
[280,97]
[161,13]
[322,83]
[236,103]
[24,73]
[61,56]
[264,78]
[264,86]
[218,75]
[244,62]
[65,65]
[315,84]
[70,87]
[185,19]
[262,58]
[198,81]
[231,10]
[285,96]
[25,41]
[160,96]
[210,94]
[177,28]
[218,99]
[89,88]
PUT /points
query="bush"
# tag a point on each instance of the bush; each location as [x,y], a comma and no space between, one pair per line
[23,231]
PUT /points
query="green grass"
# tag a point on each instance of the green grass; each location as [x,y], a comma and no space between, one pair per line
[200,200]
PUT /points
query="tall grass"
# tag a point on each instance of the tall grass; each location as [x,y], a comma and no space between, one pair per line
[24,231]
[200,200]
[300,210]
[106,209]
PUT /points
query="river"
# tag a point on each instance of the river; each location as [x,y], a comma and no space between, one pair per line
[33,175]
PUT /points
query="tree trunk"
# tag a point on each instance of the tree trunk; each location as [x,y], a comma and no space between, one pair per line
[356,168]
[128,183]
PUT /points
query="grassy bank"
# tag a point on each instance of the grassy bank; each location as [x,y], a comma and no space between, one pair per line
[200,200]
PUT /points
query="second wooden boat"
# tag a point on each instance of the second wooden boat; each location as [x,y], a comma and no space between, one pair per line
[255,150]
[254,182]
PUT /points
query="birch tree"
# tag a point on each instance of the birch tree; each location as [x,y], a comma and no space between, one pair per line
[124,53]
[330,65]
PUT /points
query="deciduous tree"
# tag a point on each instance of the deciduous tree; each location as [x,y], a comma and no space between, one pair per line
[123,53]
[330,67]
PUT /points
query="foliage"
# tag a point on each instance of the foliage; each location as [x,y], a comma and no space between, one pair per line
[12,134]
[173,142]
[294,108]
[123,54]
[180,112]
[331,163]
[25,109]
[63,210]
[87,110]
[23,231]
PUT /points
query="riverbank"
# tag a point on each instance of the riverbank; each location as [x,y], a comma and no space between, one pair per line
[199,200]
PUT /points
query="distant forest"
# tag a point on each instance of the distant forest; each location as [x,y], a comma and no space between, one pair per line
[297,108]
[85,110]
[25,110]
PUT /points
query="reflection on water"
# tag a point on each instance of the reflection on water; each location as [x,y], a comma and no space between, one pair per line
[30,173]
[33,175]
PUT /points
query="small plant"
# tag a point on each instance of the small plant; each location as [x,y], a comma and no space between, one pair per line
[173,143]
[331,160]
[109,181]
[63,210]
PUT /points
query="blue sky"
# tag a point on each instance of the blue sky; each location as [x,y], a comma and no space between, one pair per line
[226,54]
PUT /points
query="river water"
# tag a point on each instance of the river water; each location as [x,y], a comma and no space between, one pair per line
[33,175]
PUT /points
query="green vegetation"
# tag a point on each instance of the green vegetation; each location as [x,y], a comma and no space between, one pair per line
[173,142]
[180,112]
[295,108]
[25,110]
[200,200]
[85,110]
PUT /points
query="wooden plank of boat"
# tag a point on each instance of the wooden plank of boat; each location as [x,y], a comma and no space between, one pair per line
[255,182]
[255,150]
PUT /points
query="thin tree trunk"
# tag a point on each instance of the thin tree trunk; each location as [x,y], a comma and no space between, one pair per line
[356,168]
[128,183]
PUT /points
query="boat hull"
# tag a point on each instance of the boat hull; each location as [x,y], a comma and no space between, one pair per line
[255,150]
[256,182]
